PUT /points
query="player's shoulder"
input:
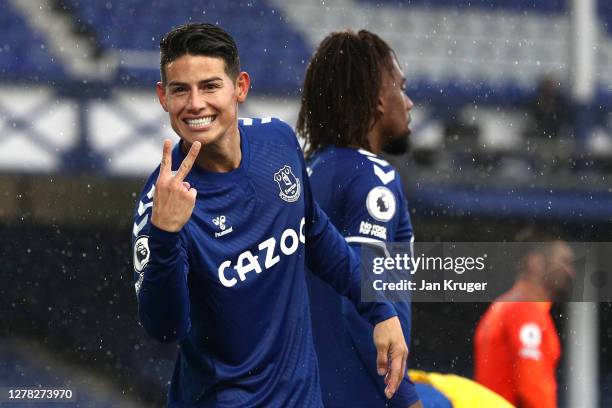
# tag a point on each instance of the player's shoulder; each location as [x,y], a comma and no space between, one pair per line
[369,171]
[521,312]
[356,162]
[268,129]
[359,174]
[361,178]
[375,168]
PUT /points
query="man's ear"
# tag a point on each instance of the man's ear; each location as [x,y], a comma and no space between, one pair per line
[161,95]
[380,104]
[243,83]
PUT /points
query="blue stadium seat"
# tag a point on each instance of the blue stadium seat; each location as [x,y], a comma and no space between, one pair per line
[21,370]
[270,49]
[604,10]
[539,6]
[23,52]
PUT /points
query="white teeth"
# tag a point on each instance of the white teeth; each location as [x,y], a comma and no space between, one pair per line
[200,121]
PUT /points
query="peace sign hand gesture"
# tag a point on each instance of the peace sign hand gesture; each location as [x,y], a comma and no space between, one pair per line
[174,198]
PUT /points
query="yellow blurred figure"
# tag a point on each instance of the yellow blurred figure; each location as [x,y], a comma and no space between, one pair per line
[460,391]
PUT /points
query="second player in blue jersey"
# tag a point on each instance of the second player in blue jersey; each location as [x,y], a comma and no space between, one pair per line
[354,106]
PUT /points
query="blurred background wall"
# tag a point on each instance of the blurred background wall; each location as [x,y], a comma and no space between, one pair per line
[512,127]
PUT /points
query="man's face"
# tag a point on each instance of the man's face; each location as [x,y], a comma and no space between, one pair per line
[201,99]
[559,269]
[396,106]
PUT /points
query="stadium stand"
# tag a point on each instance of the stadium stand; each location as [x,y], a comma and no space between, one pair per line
[24,55]
[24,365]
[466,62]
[79,307]
[538,6]
[270,50]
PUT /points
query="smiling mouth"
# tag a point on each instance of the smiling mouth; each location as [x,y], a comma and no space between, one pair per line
[200,123]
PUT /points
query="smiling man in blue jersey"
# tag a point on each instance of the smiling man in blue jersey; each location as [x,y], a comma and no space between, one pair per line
[354,106]
[222,232]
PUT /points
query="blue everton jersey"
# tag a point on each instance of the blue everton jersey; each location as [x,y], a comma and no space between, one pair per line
[230,286]
[363,197]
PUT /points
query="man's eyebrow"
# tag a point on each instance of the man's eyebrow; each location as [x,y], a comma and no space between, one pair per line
[202,82]
[208,80]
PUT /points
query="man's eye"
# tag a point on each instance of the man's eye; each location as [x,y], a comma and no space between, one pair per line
[179,90]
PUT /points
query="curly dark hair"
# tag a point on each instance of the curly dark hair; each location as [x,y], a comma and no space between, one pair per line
[199,39]
[341,89]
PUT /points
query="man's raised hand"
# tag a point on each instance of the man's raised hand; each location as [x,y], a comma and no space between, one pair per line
[174,198]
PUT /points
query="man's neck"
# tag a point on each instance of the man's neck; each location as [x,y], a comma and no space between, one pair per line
[222,156]
[375,140]
[527,290]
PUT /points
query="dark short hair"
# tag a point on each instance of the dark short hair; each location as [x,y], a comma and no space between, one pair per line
[538,239]
[341,89]
[199,39]
[539,234]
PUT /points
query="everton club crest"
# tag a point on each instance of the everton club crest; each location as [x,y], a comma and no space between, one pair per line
[288,184]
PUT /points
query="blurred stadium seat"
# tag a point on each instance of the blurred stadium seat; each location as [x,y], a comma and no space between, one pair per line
[25,365]
[479,60]
[474,61]
[24,55]
[276,59]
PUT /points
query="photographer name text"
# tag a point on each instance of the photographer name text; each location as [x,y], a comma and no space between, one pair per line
[425,286]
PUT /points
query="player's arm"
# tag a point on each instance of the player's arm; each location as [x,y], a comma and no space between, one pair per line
[365,222]
[534,375]
[375,212]
[162,292]
[329,256]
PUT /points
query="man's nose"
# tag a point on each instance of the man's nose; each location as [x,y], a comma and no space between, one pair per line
[409,103]
[196,101]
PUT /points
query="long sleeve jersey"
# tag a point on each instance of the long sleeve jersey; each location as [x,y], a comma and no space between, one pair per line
[363,197]
[230,286]
[517,350]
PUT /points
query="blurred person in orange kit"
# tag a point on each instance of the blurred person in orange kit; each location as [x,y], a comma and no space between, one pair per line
[517,347]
